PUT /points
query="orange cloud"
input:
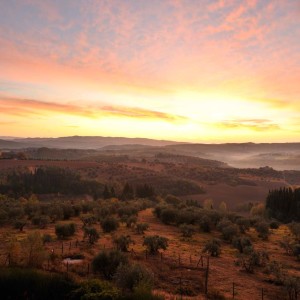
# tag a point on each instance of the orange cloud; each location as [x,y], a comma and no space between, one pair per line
[250,124]
[27,107]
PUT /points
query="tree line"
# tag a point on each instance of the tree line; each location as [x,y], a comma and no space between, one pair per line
[284,204]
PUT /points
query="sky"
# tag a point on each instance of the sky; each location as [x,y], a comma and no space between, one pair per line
[193,70]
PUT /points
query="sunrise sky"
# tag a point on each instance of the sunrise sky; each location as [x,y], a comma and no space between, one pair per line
[194,70]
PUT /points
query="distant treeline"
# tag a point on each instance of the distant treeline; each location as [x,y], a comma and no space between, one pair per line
[49,180]
[284,204]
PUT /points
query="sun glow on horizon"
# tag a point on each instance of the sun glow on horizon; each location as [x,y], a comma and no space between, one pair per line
[159,70]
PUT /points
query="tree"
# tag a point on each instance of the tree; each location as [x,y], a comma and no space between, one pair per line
[251,259]
[129,277]
[95,289]
[244,224]
[223,207]
[92,234]
[187,230]
[169,215]
[208,204]
[34,250]
[205,224]
[155,243]
[109,224]
[122,242]
[106,193]
[262,228]
[213,247]
[228,229]
[129,220]
[144,191]
[107,262]
[295,230]
[65,230]
[141,227]
[88,220]
[128,192]
[241,243]
[20,224]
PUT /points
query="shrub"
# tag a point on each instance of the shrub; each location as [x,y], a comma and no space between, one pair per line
[251,259]
[228,229]
[262,229]
[20,224]
[295,230]
[141,228]
[65,230]
[95,289]
[187,230]
[241,243]
[107,262]
[213,247]
[30,284]
[205,224]
[129,277]
[47,238]
[155,242]
[129,220]
[243,224]
[274,225]
[169,216]
[123,242]
[40,220]
[33,249]
[109,224]
[92,234]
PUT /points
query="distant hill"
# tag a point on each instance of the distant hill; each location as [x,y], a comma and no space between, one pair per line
[9,144]
[89,142]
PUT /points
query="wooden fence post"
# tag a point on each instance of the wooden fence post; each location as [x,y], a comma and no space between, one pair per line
[206,276]
[233,290]
[262,294]
[62,248]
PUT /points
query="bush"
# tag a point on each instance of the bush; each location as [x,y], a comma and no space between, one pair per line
[65,230]
[141,228]
[262,229]
[205,224]
[95,289]
[129,277]
[274,225]
[33,250]
[47,238]
[107,262]
[228,229]
[251,259]
[24,284]
[92,234]
[213,247]
[169,216]
[187,230]
[40,220]
[244,224]
[20,224]
[295,230]
[241,243]
[123,242]
[109,224]
[155,242]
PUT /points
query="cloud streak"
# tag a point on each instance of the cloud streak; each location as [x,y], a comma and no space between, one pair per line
[260,125]
[29,107]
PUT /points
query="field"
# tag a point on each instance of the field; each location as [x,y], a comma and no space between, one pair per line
[181,271]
